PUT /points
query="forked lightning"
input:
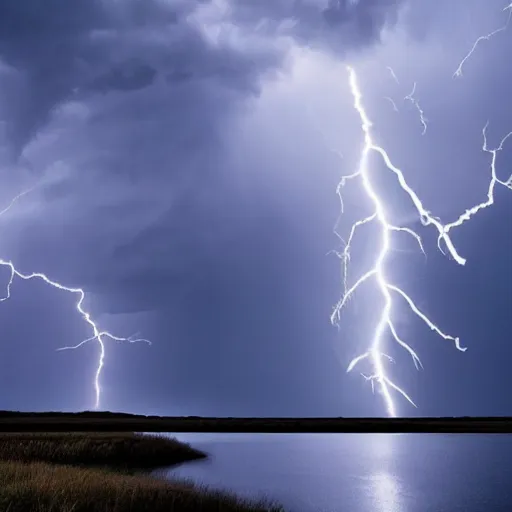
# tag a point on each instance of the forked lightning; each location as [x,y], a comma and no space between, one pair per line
[492,184]
[458,71]
[376,352]
[410,97]
[98,335]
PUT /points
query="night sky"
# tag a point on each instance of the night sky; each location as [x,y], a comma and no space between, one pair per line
[185,156]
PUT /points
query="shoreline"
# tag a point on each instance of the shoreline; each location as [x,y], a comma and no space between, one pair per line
[65,472]
[115,422]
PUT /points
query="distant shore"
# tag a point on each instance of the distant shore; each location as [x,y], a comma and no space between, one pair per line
[96,472]
[116,422]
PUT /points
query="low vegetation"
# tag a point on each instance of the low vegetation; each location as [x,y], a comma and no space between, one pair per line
[115,450]
[47,473]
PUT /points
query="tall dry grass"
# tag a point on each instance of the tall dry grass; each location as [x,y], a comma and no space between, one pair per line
[119,450]
[38,487]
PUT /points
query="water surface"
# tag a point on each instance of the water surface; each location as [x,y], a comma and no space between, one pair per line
[360,472]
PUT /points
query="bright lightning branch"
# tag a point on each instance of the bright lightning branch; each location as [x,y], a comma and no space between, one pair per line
[97,335]
[385,326]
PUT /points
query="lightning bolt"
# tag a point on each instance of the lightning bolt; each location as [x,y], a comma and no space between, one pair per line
[393,74]
[492,184]
[15,199]
[458,71]
[98,335]
[393,104]
[410,97]
[375,353]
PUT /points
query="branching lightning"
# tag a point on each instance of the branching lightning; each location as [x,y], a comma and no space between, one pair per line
[98,335]
[492,184]
[379,377]
[393,104]
[410,97]
[458,71]
[375,353]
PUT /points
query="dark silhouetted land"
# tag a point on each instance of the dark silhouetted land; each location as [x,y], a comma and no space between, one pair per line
[97,472]
[108,422]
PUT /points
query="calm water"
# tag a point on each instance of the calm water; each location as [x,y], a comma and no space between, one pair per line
[356,473]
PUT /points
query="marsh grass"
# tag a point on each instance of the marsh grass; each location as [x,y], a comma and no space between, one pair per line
[38,487]
[116,450]
[47,472]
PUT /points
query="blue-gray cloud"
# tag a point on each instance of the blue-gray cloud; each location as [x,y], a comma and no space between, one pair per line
[162,189]
[64,47]
[129,104]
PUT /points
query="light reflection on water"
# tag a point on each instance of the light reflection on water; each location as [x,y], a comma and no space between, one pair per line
[382,488]
[385,490]
[363,472]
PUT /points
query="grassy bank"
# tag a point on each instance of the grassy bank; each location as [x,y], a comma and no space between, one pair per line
[115,450]
[45,472]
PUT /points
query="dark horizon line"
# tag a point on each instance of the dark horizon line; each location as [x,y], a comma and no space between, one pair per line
[90,421]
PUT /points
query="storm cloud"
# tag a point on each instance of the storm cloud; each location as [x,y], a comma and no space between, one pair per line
[182,159]
[121,110]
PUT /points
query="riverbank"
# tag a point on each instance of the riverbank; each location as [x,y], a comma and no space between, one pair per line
[93,472]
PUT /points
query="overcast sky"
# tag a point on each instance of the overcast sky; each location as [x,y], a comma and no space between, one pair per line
[185,155]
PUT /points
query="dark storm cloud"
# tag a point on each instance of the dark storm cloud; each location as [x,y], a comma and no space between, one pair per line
[158,94]
[59,47]
[341,25]
[127,76]
[70,48]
